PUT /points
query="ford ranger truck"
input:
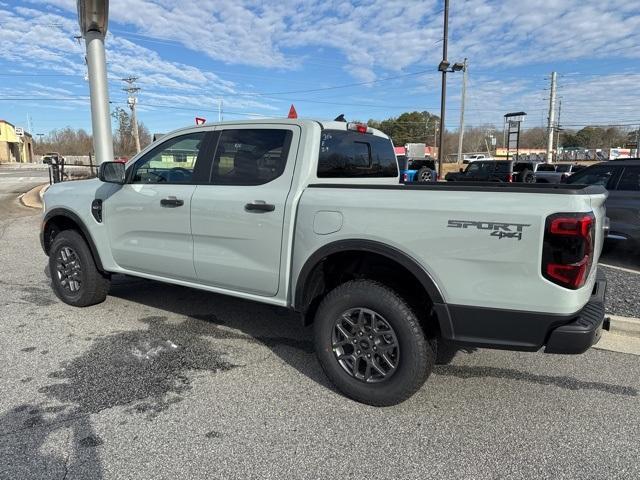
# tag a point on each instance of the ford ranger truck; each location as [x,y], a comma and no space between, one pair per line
[310,215]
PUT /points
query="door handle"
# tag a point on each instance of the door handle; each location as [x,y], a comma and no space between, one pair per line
[171,202]
[259,206]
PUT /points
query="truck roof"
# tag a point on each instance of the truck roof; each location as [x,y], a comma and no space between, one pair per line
[302,122]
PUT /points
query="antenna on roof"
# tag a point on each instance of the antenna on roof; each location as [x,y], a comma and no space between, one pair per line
[340,118]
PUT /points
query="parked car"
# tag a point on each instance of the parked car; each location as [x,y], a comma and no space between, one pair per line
[622,179]
[417,169]
[53,158]
[556,172]
[484,171]
[310,215]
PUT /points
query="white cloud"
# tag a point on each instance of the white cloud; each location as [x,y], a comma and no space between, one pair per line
[386,34]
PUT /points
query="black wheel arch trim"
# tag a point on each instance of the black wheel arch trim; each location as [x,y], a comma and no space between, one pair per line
[371,246]
[63,212]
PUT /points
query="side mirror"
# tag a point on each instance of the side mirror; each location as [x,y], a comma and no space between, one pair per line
[461,170]
[112,172]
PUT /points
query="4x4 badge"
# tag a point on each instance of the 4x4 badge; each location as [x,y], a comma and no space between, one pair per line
[497,229]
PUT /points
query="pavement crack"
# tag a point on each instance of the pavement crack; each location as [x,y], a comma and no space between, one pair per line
[66,466]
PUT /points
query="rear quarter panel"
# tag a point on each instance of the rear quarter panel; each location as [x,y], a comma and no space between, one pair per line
[470,266]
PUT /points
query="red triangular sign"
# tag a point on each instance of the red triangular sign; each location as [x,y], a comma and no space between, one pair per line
[200,120]
[292,112]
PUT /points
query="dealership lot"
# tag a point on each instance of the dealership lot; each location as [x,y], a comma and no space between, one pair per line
[164,382]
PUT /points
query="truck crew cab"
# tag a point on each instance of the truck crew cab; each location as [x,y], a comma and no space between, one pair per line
[310,215]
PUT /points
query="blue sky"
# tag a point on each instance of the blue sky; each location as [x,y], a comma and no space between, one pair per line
[366,59]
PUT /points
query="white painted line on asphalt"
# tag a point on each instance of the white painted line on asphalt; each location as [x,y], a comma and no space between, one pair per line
[615,267]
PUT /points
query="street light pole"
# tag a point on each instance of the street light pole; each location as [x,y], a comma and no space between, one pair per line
[92,16]
[462,102]
[443,94]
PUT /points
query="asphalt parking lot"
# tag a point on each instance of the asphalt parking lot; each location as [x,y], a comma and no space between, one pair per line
[166,382]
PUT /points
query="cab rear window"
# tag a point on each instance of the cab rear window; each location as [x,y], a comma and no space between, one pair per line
[346,154]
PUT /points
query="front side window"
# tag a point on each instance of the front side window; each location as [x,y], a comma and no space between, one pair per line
[630,180]
[600,175]
[171,162]
[250,156]
[346,154]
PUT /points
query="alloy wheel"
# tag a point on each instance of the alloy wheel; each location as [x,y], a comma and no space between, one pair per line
[365,345]
[69,270]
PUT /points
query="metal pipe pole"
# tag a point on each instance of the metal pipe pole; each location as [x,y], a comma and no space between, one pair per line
[100,114]
[464,95]
[551,119]
[443,94]
[134,125]
[558,131]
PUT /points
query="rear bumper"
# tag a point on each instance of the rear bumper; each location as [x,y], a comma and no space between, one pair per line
[526,331]
[585,330]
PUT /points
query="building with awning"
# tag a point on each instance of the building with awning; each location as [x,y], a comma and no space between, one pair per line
[16,145]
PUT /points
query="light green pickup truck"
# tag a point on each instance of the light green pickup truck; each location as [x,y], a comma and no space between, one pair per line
[310,215]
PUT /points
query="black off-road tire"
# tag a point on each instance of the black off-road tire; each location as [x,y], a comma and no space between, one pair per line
[424,172]
[527,176]
[93,284]
[416,355]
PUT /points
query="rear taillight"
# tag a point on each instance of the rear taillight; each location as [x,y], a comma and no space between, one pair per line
[404,177]
[567,253]
[510,178]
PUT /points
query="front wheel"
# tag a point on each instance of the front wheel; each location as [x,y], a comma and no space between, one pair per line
[75,279]
[370,344]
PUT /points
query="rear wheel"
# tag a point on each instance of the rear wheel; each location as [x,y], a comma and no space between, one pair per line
[75,279]
[424,175]
[527,176]
[370,343]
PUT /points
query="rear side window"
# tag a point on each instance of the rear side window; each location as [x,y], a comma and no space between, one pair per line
[250,156]
[547,168]
[596,175]
[503,167]
[346,154]
[630,180]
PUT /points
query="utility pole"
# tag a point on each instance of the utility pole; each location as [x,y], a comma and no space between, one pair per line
[132,100]
[219,109]
[551,118]
[443,94]
[462,101]
[558,130]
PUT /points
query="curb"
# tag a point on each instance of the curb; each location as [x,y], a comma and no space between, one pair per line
[628,326]
[33,198]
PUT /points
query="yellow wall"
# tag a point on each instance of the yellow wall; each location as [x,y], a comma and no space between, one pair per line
[7,132]
[8,139]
